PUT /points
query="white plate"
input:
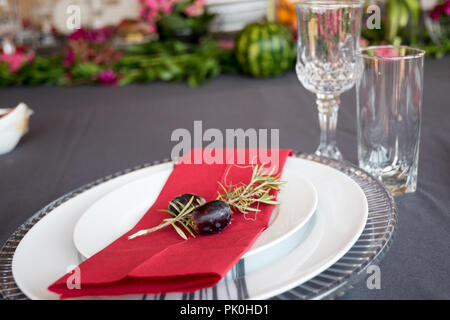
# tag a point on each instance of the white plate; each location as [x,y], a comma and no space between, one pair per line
[47,252]
[119,211]
[233,15]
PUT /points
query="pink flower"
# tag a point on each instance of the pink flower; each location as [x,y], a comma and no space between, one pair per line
[79,34]
[16,60]
[363,42]
[30,56]
[166,7]
[193,10]
[227,44]
[386,52]
[151,15]
[151,28]
[100,35]
[153,10]
[447,7]
[69,59]
[108,77]
[96,35]
[151,4]
[436,13]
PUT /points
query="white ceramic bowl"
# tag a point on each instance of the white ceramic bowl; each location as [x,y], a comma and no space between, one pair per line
[13,125]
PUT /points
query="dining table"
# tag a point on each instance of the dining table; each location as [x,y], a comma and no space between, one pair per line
[81,133]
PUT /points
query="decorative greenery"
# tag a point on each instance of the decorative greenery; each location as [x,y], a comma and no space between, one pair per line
[185,51]
[403,24]
[185,23]
[170,60]
[175,18]
[399,26]
[42,70]
[438,26]
[436,50]
[403,21]
[91,57]
[173,60]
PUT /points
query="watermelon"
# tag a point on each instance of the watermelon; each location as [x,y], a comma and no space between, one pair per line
[265,49]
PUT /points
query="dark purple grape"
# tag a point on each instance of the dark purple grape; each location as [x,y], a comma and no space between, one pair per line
[184,200]
[212,217]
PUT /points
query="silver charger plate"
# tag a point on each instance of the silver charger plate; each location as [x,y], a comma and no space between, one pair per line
[371,246]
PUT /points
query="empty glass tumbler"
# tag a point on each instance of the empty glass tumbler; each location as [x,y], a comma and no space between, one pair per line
[389,112]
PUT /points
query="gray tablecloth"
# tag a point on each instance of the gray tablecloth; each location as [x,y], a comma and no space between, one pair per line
[79,134]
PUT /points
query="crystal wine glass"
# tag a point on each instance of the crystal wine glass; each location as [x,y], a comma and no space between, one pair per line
[328,38]
[8,27]
[44,11]
[97,11]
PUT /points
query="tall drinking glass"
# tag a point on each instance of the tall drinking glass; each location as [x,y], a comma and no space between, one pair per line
[389,112]
[328,38]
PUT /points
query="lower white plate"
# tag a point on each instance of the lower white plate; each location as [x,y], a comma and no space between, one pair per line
[47,251]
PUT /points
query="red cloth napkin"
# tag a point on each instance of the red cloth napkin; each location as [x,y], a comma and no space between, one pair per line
[162,261]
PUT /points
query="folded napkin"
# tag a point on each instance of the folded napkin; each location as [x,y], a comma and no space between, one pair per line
[162,261]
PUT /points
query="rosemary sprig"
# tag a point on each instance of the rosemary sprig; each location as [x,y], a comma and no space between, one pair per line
[183,217]
[244,197]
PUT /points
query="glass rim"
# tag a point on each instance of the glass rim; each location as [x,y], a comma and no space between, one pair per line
[329,3]
[419,53]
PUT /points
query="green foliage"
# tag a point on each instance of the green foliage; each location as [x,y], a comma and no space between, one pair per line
[438,50]
[178,25]
[85,72]
[46,70]
[403,21]
[374,36]
[401,26]
[170,60]
[174,60]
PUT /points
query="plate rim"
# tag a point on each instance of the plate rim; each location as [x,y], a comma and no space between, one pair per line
[332,282]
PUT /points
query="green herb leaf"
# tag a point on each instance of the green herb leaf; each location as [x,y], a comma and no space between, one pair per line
[244,197]
[179,231]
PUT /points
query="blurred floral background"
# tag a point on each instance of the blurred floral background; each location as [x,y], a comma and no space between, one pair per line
[117,42]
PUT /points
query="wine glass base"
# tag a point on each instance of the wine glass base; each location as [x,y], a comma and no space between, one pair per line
[329,152]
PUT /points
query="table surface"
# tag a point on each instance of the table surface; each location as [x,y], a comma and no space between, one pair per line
[79,134]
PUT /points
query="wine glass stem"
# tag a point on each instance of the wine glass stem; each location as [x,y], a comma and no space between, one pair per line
[328,106]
